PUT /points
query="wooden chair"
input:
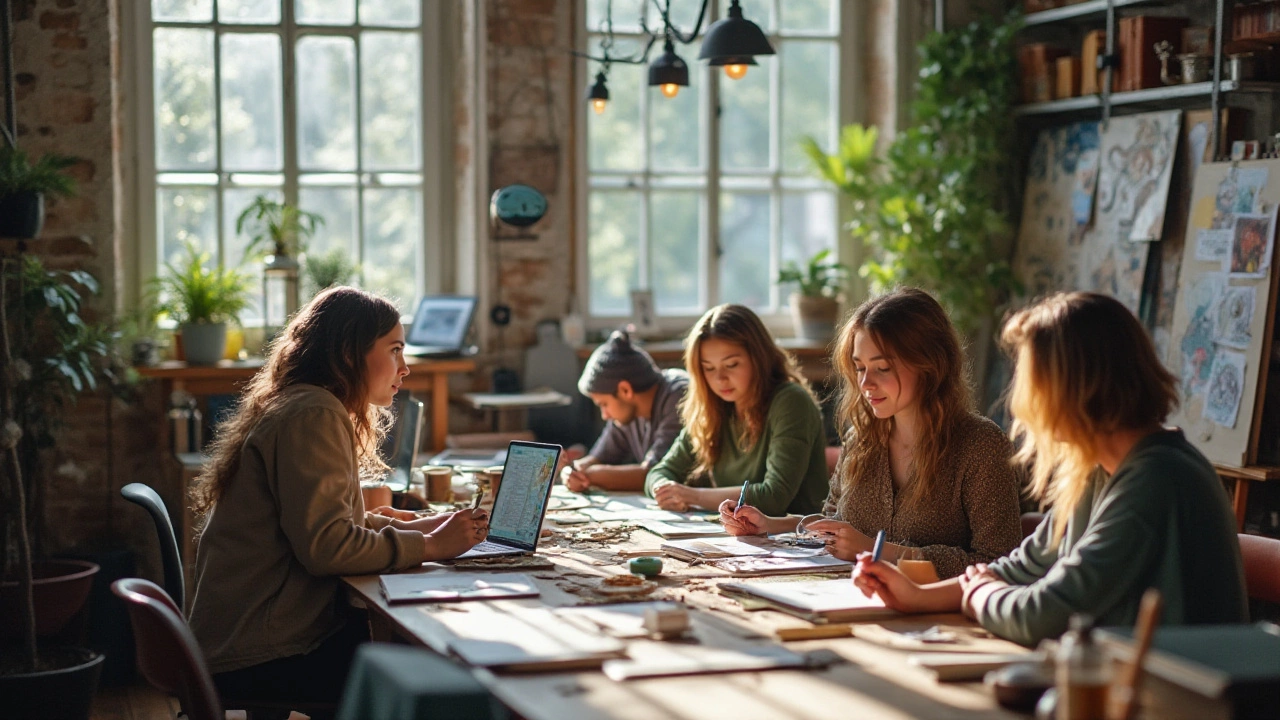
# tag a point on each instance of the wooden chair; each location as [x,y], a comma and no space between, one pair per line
[168,654]
[170,558]
[1261,567]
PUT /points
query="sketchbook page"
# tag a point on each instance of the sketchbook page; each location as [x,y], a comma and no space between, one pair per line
[683,528]
[633,508]
[814,596]
[747,566]
[1222,318]
[653,659]
[507,635]
[455,587]
[623,620]
[719,547]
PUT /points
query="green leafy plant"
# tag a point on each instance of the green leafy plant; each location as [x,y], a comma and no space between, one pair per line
[328,269]
[49,354]
[276,228]
[198,291]
[818,278]
[19,174]
[932,209]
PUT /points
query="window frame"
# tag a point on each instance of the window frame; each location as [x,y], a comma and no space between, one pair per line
[847,102]
[140,228]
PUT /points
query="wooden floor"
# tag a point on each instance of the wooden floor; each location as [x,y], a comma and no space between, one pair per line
[133,702]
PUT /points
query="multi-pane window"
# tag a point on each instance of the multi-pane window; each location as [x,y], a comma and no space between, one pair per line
[700,198]
[314,102]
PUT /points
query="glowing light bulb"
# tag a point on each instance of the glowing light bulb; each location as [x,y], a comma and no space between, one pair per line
[670,89]
[598,106]
[735,71]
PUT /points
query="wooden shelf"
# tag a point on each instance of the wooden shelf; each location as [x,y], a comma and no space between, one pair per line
[1079,11]
[1150,95]
[1251,472]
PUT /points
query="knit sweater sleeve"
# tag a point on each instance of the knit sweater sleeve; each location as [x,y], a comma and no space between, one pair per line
[794,425]
[674,466]
[314,479]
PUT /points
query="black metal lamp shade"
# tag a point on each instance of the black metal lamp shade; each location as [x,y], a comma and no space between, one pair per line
[599,90]
[669,69]
[730,39]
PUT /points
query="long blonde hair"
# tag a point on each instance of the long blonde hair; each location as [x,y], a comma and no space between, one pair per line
[912,330]
[702,411]
[1084,367]
[324,345]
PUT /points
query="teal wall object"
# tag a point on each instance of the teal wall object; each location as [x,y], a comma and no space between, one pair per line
[517,205]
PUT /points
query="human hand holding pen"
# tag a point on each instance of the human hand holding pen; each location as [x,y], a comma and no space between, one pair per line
[742,519]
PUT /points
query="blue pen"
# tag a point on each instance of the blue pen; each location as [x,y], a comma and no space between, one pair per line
[742,497]
[875,550]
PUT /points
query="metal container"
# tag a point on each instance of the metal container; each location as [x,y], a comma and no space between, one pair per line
[1242,66]
[1195,68]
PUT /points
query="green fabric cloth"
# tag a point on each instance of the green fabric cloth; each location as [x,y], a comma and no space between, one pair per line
[786,468]
[1162,520]
[394,682]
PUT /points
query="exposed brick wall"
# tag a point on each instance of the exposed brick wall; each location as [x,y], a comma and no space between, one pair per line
[65,70]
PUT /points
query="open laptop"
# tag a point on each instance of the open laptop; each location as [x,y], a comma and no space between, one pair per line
[400,446]
[521,502]
[440,326]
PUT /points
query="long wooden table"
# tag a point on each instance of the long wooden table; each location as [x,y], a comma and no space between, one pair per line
[429,376]
[873,679]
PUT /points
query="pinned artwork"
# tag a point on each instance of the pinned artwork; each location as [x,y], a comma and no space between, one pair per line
[1222,329]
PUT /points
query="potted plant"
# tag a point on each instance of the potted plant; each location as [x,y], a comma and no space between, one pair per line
[931,209]
[23,186]
[201,297]
[815,304]
[48,355]
[276,228]
[327,269]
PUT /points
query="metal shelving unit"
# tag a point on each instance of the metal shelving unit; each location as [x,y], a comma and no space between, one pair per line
[1150,95]
[1079,11]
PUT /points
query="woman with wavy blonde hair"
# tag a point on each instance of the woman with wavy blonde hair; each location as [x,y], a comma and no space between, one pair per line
[917,462]
[1133,504]
[283,515]
[749,418]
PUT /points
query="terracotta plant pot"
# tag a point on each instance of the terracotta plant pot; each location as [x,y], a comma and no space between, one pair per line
[61,588]
[814,317]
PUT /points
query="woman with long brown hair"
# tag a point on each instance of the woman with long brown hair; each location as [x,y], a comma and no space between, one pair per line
[748,418]
[1133,504]
[917,462]
[282,511]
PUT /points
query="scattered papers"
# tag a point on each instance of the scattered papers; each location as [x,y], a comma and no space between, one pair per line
[522,638]
[817,601]
[624,620]
[683,528]
[725,547]
[634,508]
[454,587]
[666,659]
[747,566]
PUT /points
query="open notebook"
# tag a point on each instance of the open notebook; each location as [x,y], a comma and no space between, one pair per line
[455,587]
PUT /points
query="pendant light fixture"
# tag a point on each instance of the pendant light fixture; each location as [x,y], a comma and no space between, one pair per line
[733,42]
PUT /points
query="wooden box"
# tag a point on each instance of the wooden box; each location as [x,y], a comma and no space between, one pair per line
[1066,78]
[1095,44]
[1136,38]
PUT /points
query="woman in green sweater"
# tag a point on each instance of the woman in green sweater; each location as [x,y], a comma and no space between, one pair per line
[748,418]
[1089,393]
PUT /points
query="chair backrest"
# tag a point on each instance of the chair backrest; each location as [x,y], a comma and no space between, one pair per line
[1031,521]
[168,655]
[169,555]
[1261,567]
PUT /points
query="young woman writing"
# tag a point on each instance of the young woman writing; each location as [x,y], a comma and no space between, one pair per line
[1090,394]
[917,462]
[748,418]
[283,516]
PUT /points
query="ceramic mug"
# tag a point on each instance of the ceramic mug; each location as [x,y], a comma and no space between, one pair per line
[439,483]
[375,495]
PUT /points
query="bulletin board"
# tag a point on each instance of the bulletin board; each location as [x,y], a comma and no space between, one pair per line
[1223,316]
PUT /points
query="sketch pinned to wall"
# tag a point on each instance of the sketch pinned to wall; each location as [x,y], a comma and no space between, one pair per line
[1226,386]
[1235,316]
[1222,326]
[1193,149]
[1250,245]
[1136,161]
[1058,204]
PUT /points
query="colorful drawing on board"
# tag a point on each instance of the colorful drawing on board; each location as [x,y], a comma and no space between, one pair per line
[1226,385]
[1251,239]
[1057,206]
[1239,192]
[1198,348]
[1235,317]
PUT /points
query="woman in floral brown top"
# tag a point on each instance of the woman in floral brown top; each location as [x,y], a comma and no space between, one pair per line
[917,462]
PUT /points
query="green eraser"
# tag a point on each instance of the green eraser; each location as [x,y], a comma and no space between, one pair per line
[645,565]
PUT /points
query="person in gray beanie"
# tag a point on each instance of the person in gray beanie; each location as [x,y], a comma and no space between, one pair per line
[640,406]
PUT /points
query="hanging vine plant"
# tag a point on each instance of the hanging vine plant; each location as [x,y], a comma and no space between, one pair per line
[932,209]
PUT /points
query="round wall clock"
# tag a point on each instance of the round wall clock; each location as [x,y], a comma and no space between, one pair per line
[517,205]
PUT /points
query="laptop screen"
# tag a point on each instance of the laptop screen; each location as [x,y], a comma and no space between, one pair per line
[442,321]
[523,493]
